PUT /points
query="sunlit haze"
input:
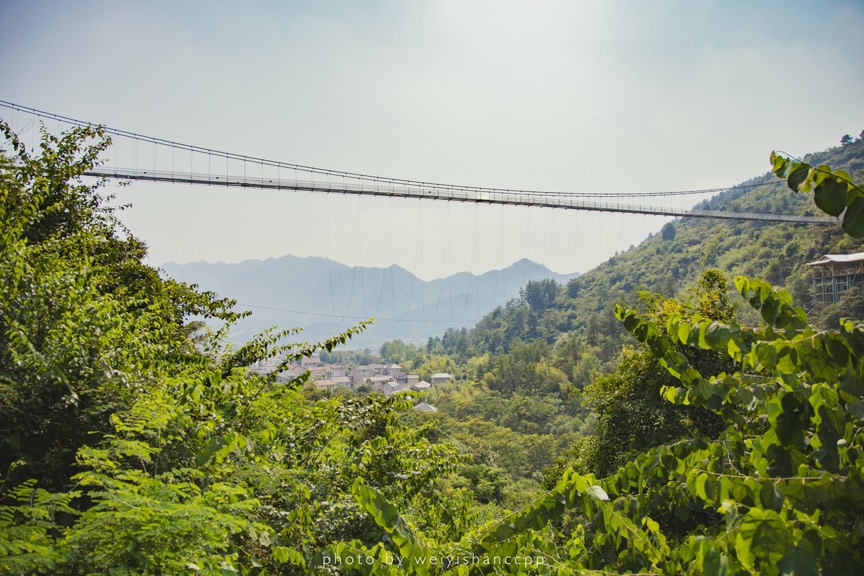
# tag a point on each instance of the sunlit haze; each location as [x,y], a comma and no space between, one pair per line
[561,96]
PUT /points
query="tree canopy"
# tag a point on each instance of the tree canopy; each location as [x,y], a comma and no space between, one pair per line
[134,440]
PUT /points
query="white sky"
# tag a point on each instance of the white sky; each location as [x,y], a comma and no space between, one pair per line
[570,96]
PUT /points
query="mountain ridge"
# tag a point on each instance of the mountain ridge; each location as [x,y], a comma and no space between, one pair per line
[324,296]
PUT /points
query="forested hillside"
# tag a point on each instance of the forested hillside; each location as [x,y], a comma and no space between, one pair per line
[774,252]
[670,261]
[132,441]
[721,443]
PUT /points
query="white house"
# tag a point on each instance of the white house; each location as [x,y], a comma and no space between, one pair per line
[440,378]
[342,381]
[328,385]
[424,407]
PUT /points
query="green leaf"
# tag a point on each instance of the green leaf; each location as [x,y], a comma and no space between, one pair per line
[717,334]
[770,310]
[715,563]
[771,497]
[762,536]
[837,350]
[798,177]
[787,361]
[597,493]
[856,409]
[799,561]
[853,218]
[700,486]
[830,196]
[683,331]
[281,554]
[387,516]
[779,164]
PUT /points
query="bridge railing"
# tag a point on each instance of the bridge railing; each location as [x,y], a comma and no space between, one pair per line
[437,192]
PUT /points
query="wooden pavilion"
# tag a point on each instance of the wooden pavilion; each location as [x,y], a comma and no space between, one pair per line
[833,274]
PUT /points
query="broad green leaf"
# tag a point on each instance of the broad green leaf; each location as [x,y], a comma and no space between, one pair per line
[286,555]
[387,517]
[771,496]
[787,361]
[717,334]
[856,409]
[837,350]
[798,177]
[715,563]
[799,561]
[762,537]
[853,218]
[830,196]
[683,331]
[779,164]
[700,486]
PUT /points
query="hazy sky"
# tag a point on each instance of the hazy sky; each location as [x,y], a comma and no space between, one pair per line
[570,96]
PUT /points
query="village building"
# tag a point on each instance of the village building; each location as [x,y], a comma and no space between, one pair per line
[334,370]
[424,407]
[318,373]
[264,367]
[260,370]
[378,381]
[361,374]
[392,387]
[440,378]
[311,362]
[833,274]
[396,371]
[325,384]
[289,374]
[342,381]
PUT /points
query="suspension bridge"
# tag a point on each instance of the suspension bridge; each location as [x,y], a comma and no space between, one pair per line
[138,157]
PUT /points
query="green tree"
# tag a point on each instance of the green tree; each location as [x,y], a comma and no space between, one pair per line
[539,295]
[516,371]
[668,232]
[633,417]
[398,352]
[780,490]
[129,447]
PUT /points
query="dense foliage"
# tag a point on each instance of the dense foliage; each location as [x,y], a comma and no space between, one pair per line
[722,440]
[777,489]
[134,443]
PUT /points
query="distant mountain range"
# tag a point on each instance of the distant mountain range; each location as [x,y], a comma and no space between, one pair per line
[325,297]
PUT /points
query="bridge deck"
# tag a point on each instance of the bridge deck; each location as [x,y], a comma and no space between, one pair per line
[486,196]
